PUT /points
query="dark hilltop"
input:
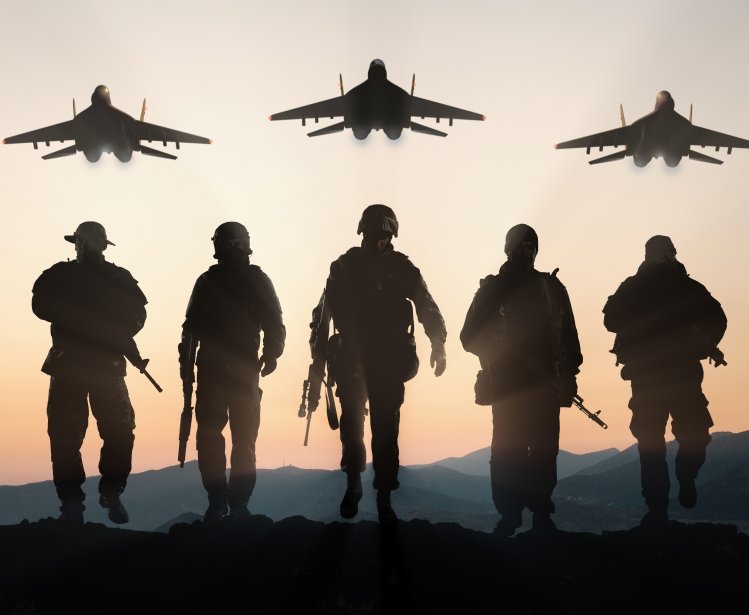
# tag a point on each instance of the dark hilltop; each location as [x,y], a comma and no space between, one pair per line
[302,566]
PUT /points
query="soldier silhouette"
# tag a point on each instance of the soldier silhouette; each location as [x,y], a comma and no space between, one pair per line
[95,309]
[521,326]
[231,304]
[665,324]
[369,296]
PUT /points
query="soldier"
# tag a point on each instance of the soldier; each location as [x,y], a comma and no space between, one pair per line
[520,325]
[230,305]
[369,295]
[95,309]
[665,324]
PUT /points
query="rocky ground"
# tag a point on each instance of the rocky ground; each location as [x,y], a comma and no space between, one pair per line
[302,566]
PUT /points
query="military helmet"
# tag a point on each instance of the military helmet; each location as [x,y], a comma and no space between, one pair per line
[231,233]
[520,233]
[659,246]
[378,219]
[91,233]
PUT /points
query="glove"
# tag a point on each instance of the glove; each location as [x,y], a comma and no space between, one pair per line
[267,365]
[438,359]
[568,383]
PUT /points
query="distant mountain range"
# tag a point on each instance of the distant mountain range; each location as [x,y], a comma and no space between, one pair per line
[600,491]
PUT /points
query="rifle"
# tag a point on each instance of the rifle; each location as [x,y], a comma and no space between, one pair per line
[576,399]
[714,354]
[185,419]
[311,397]
[133,355]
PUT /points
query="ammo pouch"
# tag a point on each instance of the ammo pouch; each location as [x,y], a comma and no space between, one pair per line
[409,360]
[483,388]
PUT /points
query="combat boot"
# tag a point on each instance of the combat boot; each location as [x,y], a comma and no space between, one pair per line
[354,491]
[71,513]
[238,508]
[507,525]
[654,520]
[115,509]
[687,493]
[542,523]
[385,512]
[218,508]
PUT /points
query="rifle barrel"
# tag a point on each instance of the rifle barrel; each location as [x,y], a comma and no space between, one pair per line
[144,371]
[593,416]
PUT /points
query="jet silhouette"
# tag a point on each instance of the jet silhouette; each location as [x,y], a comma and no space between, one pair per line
[377,104]
[662,132]
[103,128]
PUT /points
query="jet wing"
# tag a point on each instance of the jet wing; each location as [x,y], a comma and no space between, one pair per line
[333,107]
[706,137]
[64,131]
[421,107]
[143,131]
[609,138]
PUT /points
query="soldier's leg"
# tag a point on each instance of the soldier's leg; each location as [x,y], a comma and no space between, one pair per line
[648,425]
[115,420]
[543,450]
[691,428]
[244,422]
[385,399]
[509,455]
[211,415]
[67,420]
[352,394]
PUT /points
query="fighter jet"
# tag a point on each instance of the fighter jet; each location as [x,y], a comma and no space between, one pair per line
[103,128]
[663,132]
[376,104]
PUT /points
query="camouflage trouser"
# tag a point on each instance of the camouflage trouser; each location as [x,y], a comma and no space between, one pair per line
[525,444]
[385,392]
[220,401]
[656,395]
[67,421]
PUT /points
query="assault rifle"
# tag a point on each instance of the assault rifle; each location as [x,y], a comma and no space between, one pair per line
[188,378]
[311,397]
[714,354]
[576,399]
[132,354]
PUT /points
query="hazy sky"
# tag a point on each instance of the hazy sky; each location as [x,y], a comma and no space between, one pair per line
[542,72]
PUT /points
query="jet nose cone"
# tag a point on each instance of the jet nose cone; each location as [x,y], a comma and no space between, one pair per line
[101,95]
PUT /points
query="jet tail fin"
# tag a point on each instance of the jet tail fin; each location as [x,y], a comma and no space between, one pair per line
[610,157]
[66,151]
[413,84]
[143,110]
[690,113]
[74,113]
[621,114]
[426,130]
[702,158]
[328,130]
[340,82]
[149,151]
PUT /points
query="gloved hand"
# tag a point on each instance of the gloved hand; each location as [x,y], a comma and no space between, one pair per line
[267,365]
[568,383]
[438,359]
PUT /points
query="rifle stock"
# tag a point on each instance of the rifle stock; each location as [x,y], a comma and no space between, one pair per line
[187,373]
[185,424]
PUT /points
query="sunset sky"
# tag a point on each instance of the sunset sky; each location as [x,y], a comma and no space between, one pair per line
[541,72]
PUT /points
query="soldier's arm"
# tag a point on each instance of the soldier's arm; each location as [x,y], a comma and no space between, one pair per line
[271,319]
[616,309]
[48,298]
[476,334]
[570,341]
[319,329]
[427,312]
